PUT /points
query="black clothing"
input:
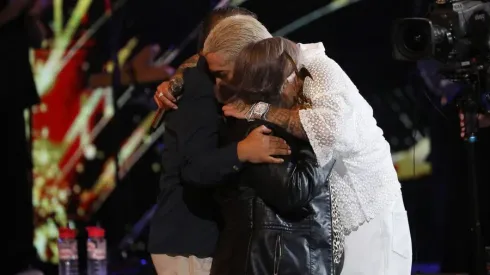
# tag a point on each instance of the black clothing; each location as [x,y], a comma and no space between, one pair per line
[186,221]
[277,218]
[15,67]
[18,93]
[19,185]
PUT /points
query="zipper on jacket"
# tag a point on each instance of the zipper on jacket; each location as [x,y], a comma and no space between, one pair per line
[251,235]
[277,254]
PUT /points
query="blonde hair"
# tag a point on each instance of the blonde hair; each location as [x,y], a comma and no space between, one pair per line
[232,34]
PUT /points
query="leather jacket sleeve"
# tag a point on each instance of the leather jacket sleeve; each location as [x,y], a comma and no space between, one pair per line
[293,184]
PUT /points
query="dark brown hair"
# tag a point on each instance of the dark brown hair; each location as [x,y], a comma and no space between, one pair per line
[261,70]
[214,17]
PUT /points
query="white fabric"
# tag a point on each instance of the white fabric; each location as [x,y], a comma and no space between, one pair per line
[382,246]
[180,265]
[341,125]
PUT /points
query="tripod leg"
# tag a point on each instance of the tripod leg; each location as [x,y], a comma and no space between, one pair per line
[477,239]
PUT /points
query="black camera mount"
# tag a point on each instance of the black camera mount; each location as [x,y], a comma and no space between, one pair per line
[473,77]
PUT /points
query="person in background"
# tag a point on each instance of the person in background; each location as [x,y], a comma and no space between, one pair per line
[449,170]
[185,227]
[19,30]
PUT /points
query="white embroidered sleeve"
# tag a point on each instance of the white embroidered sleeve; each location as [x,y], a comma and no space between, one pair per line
[331,123]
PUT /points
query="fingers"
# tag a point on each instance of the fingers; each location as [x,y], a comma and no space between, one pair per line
[167,103]
[165,91]
[461,125]
[278,147]
[229,113]
[278,143]
[263,130]
[164,98]
[273,160]
[227,107]
[168,95]
[279,152]
[155,98]
[228,110]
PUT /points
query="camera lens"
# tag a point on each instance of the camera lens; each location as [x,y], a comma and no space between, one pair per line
[414,39]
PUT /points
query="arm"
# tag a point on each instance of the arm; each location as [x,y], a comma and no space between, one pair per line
[330,124]
[188,63]
[177,80]
[204,163]
[287,119]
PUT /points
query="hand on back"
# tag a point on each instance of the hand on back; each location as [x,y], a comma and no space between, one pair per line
[260,147]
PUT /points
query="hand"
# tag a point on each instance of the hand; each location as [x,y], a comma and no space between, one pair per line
[483,122]
[164,98]
[237,109]
[259,147]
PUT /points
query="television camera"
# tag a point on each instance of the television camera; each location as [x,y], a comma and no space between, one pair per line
[456,34]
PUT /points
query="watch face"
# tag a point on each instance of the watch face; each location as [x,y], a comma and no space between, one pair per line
[260,108]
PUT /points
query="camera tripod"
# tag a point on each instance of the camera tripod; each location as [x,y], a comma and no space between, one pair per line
[469,106]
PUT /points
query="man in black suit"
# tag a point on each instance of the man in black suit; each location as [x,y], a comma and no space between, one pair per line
[184,229]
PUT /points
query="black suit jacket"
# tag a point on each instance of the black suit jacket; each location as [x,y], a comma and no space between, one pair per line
[185,222]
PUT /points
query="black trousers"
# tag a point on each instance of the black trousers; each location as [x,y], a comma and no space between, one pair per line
[20,216]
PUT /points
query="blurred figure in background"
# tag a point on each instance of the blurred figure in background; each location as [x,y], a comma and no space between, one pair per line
[449,172]
[19,30]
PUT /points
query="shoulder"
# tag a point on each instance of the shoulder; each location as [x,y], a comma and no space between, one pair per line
[200,69]
[197,80]
[310,51]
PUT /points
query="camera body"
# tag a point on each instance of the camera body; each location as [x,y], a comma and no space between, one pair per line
[456,34]
[455,31]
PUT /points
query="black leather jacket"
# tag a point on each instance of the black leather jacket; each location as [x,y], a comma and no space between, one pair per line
[277,217]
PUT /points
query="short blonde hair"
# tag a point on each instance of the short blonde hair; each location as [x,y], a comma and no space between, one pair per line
[232,34]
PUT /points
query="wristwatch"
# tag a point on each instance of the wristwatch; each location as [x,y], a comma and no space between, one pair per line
[175,86]
[259,111]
